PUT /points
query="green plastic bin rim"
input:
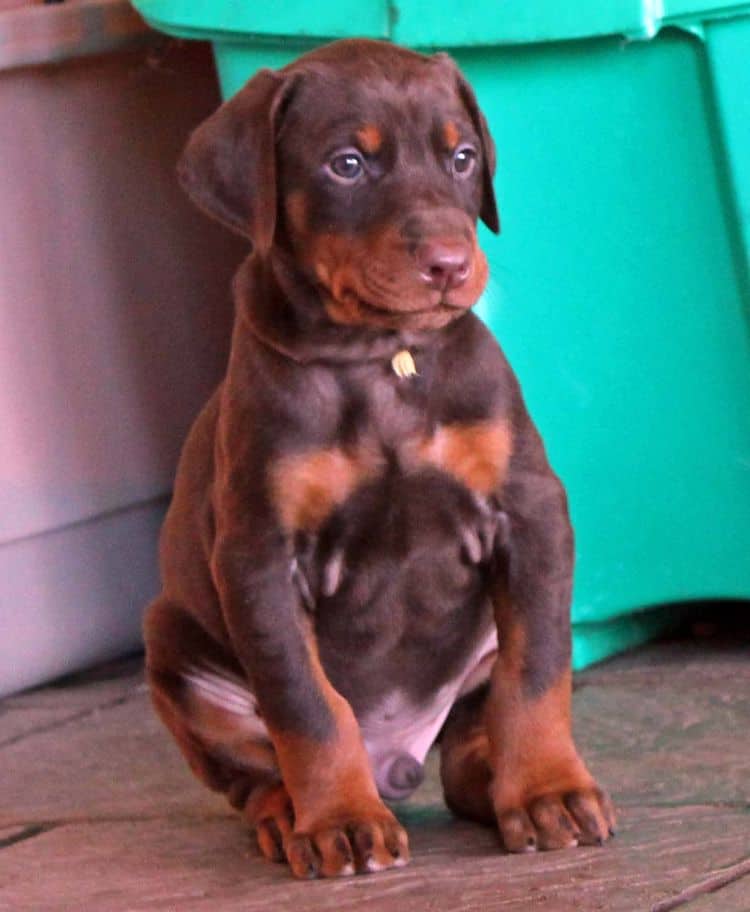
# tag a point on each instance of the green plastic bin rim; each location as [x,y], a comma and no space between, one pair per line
[423,23]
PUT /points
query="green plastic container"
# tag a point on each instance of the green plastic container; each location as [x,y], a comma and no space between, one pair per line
[620,285]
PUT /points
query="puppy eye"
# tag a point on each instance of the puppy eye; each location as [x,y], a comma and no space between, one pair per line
[464,159]
[346,166]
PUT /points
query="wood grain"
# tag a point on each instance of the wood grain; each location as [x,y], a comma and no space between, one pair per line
[197,865]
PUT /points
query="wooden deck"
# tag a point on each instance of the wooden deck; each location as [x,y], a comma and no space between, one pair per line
[98,813]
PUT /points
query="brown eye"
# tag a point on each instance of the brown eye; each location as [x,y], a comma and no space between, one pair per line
[464,159]
[346,166]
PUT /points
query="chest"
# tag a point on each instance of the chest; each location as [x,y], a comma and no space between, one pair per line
[368,419]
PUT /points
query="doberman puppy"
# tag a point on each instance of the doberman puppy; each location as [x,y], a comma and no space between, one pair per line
[358,173]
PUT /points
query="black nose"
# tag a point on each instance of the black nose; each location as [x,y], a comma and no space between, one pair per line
[406,773]
[397,775]
[443,264]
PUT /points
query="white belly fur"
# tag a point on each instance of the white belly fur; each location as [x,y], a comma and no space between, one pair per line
[398,724]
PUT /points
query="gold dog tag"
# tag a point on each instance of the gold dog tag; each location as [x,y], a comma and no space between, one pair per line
[403,364]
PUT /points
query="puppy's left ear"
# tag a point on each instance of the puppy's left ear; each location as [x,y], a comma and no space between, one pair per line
[228,167]
[488,210]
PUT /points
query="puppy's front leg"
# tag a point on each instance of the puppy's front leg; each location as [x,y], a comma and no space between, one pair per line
[340,823]
[543,794]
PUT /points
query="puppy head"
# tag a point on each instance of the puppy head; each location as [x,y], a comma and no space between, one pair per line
[370,164]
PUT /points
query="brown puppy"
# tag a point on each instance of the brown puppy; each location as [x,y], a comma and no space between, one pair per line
[358,173]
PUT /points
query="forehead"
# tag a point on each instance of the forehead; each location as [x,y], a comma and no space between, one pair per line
[332,101]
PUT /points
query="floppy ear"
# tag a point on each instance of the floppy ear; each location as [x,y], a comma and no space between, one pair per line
[488,210]
[228,167]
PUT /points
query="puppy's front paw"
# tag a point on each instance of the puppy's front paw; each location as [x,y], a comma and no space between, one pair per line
[556,819]
[361,842]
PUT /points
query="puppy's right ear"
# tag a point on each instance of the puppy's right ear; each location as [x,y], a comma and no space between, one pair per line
[228,167]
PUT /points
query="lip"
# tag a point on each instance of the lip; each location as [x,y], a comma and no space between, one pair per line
[441,304]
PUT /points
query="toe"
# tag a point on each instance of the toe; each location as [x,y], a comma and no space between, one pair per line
[554,825]
[517,831]
[591,810]
[304,859]
[269,838]
[370,850]
[396,843]
[608,809]
[337,857]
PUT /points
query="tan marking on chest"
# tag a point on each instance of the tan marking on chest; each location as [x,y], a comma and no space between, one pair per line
[306,487]
[477,454]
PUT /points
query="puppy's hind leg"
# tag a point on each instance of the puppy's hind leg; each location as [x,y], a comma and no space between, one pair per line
[464,759]
[207,705]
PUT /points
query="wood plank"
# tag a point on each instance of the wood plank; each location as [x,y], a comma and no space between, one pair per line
[709,658]
[667,744]
[113,762]
[11,835]
[87,689]
[132,831]
[17,723]
[141,866]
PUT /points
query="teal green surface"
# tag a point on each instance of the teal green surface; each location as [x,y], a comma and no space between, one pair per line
[619,286]
[618,295]
[728,47]
[292,21]
[425,23]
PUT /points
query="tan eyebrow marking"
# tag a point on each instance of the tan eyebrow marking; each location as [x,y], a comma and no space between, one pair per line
[370,138]
[451,135]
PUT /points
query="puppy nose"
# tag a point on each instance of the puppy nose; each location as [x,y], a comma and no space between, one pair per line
[443,264]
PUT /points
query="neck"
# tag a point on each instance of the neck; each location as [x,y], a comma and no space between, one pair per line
[287,313]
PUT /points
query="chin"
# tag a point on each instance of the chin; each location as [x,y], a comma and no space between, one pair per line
[350,310]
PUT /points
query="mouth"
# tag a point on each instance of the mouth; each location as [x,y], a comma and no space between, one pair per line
[396,312]
[441,303]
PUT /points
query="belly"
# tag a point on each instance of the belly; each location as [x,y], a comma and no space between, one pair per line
[398,732]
